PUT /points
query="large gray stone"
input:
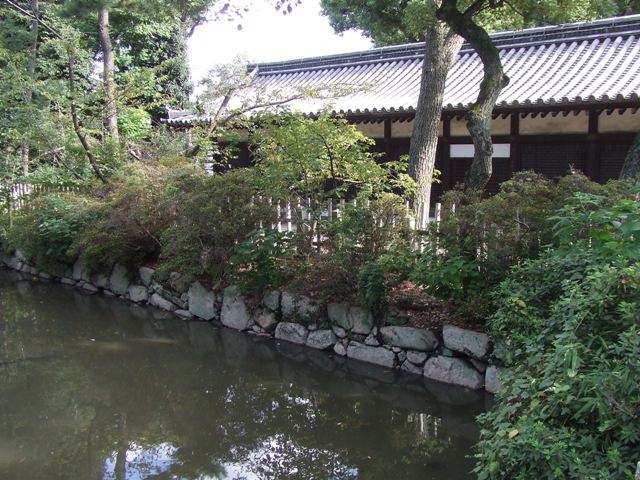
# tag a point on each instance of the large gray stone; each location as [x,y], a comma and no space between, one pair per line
[138,293]
[299,308]
[14,263]
[361,320]
[352,318]
[410,367]
[119,279]
[340,349]
[453,371]
[339,331]
[372,341]
[265,318]
[100,280]
[80,271]
[158,301]
[408,337]
[291,332]
[169,295]
[202,301]
[417,358]
[339,315]
[472,344]
[178,282]
[234,312]
[376,355]
[146,275]
[271,300]
[321,339]
[501,352]
[492,382]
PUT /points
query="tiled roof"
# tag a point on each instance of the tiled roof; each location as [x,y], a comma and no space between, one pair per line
[568,65]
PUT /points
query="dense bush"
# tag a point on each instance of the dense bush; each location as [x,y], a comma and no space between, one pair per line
[570,406]
[48,228]
[478,240]
[213,215]
[368,229]
[136,209]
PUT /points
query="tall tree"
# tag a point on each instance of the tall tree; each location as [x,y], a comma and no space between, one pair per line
[31,72]
[494,80]
[406,20]
[442,23]
[463,18]
[110,114]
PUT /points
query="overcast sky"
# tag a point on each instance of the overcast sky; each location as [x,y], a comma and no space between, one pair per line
[268,35]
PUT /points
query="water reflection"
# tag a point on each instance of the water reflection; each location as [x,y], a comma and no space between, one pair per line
[93,388]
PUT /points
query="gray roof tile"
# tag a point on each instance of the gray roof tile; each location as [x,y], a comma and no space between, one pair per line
[590,62]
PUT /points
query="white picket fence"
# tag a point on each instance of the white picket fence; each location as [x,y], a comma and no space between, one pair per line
[286,213]
[19,193]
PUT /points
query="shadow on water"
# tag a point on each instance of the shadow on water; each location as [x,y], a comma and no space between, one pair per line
[93,387]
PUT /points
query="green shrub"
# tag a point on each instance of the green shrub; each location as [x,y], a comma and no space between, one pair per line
[259,262]
[49,227]
[213,214]
[138,208]
[374,289]
[448,277]
[478,241]
[571,397]
[369,229]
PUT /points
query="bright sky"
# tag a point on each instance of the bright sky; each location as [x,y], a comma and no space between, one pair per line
[268,35]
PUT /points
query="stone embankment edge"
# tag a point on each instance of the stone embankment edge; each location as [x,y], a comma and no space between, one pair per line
[460,357]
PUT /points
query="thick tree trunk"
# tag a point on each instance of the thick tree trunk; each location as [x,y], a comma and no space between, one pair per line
[110,114]
[631,167]
[494,80]
[442,47]
[31,71]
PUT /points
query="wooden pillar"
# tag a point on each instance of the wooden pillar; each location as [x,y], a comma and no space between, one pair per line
[387,139]
[592,166]
[445,142]
[515,162]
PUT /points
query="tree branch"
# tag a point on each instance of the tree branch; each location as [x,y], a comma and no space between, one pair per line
[76,121]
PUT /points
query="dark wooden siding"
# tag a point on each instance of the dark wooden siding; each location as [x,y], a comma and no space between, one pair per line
[553,159]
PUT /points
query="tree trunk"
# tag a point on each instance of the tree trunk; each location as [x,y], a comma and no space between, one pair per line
[631,167]
[31,71]
[442,47]
[110,114]
[494,80]
[77,127]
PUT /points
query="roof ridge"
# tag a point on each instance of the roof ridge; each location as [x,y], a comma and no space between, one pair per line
[601,28]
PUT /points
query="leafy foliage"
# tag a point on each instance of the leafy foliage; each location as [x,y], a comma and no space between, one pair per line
[47,231]
[571,400]
[478,241]
[259,262]
[213,215]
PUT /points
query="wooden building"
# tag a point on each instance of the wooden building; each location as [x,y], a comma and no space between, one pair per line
[572,101]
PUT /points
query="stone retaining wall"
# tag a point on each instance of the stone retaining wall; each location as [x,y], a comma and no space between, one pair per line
[460,357]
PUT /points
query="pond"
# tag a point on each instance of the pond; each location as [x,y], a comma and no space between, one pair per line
[96,388]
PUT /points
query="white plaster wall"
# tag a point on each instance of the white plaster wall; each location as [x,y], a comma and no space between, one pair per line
[551,125]
[404,129]
[616,122]
[372,130]
[499,126]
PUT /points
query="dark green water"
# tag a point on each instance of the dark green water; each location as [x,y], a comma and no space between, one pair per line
[94,388]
